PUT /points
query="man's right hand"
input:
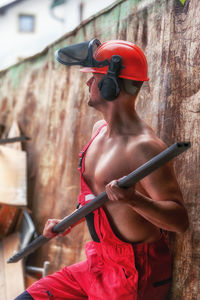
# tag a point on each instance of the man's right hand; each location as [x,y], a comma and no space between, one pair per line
[48,233]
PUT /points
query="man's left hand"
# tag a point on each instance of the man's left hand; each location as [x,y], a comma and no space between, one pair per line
[116,193]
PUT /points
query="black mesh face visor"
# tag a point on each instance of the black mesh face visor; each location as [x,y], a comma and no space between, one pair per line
[80,54]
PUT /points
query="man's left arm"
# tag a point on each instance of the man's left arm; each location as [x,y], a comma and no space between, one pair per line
[164,205]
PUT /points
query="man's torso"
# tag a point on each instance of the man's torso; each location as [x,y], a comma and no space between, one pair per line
[108,158]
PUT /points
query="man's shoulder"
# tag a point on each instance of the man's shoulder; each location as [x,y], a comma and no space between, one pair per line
[97,125]
[146,147]
[151,146]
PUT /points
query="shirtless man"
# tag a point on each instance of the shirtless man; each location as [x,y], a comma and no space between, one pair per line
[129,257]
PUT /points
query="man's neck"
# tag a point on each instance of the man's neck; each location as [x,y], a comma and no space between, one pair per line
[121,119]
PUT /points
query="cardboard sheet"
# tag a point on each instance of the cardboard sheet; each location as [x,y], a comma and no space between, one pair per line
[13,186]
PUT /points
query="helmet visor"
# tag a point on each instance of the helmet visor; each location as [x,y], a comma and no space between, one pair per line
[81,54]
[78,54]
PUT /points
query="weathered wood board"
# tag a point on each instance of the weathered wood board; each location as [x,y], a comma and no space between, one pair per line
[50,103]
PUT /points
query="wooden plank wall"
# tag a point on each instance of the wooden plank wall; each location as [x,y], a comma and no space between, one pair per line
[49,102]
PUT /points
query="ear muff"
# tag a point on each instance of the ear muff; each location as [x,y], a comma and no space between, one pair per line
[109,88]
[109,85]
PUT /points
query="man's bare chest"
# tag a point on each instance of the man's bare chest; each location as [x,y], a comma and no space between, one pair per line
[105,160]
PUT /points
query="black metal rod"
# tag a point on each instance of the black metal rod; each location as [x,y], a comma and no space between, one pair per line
[126,182]
[14,140]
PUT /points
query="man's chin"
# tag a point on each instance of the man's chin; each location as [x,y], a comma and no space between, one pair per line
[93,104]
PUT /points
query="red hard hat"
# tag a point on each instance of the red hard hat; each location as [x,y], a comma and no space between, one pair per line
[134,63]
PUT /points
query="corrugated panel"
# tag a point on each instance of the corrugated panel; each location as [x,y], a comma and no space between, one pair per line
[49,102]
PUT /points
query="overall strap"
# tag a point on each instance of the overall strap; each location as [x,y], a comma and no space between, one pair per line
[81,154]
[84,187]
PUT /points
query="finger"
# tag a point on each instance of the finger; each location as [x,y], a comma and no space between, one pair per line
[115,193]
[51,222]
[112,195]
[113,184]
[47,232]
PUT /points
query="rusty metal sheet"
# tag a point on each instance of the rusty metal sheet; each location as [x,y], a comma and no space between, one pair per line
[49,102]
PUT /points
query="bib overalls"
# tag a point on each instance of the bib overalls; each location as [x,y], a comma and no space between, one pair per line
[114,269]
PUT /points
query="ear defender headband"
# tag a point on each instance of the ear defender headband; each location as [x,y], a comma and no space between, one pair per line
[83,54]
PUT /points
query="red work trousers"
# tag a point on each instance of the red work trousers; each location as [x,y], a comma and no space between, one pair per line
[114,270]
